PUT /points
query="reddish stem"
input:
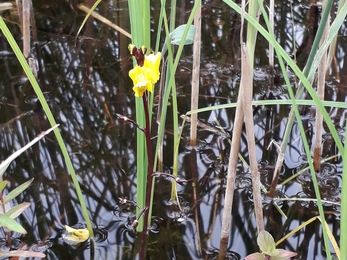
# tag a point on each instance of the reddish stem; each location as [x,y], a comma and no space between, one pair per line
[149,178]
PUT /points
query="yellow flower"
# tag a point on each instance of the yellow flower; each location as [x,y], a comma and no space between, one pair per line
[74,236]
[141,80]
[146,73]
[152,62]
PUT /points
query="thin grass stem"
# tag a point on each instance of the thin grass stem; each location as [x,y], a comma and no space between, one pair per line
[343,223]
[305,144]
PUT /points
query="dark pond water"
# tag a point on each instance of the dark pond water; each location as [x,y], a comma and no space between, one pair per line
[87,84]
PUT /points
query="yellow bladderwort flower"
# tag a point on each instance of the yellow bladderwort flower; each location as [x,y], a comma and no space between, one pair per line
[152,62]
[146,73]
[74,236]
[141,80]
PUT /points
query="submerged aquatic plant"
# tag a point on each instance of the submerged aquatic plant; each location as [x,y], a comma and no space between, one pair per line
[268,249]
[9,213]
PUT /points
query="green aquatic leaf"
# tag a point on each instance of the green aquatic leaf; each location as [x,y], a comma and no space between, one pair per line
[17,210]
[2,185]
[14,193]
[176,37]
[11,224]
[283,255]
[267,244]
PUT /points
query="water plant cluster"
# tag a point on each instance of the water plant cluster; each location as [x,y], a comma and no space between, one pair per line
[154,74]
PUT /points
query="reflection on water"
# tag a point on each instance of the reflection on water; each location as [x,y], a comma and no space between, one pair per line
[87,84]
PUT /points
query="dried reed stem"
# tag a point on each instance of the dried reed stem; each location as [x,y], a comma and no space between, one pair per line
[244,112]
[322,68]
[5,6]
[229,192]
[195,76]
[26,28]
[247,85]
[104,20]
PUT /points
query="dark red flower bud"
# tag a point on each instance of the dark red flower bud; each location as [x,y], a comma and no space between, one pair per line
[138,53]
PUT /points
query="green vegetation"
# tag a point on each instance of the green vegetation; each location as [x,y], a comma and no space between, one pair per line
[148,79]
[50,117]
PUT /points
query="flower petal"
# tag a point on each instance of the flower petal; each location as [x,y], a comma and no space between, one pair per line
[141,87]
[152,62]
[74,236]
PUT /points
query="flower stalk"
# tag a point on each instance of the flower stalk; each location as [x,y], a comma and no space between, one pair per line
[144,75]
[149,177]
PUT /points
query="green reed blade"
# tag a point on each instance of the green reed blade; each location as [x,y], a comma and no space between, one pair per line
[50,117]
[139,12]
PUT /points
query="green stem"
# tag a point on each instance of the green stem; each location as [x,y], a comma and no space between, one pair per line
[139,12]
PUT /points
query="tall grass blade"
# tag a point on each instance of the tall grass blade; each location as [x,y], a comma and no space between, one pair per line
[343,223]
[305,143]
[89,13]
[283,102]
[332,47]
[314,59]
[231,177]
[280,51]
[272,25]
[170,87]
[50,118]
[139,13]
[247,83]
